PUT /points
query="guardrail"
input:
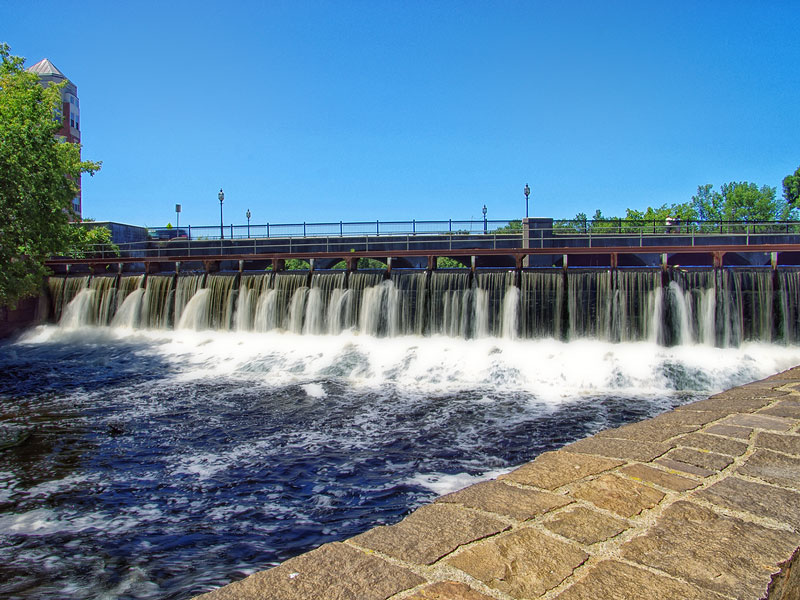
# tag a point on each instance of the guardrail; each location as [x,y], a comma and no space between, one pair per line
[462,227]
[455,235]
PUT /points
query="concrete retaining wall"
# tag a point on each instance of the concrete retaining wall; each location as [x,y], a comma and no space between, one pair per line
[28,312]
[700,502]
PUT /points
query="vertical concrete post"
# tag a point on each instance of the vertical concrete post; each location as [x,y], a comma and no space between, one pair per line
[773,260]
[526,239]
[472,261]
[432,263]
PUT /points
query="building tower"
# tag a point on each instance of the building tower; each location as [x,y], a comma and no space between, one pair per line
[70,111]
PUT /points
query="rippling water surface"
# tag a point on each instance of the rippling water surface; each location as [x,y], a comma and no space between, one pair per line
[165,464]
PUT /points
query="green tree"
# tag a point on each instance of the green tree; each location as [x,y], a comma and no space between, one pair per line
[445,262]
[92,242]
[512,227]
[740,201]
[297,264]
[37,179]
[791,188]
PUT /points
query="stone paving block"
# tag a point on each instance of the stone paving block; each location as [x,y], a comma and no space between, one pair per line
[514,502]
[724,554]
[737,400]
[585,525]
[646,431]
[447,590]
[789,374]
[618,581]
[614,448]
[742,433]
[524,563]
[790,444]
[333,571]
[712,443]
[429,533]
[659,477]
[551,470]
[773,468]
[759,422]
[755,498]
[622,496]
[785,408]
[703,459]
[676,465]
[688,416]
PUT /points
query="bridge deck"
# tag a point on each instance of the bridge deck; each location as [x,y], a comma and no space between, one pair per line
[717,252]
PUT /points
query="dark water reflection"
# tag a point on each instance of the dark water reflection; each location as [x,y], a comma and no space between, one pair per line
[137,482]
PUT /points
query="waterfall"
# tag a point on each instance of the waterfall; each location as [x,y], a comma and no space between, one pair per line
[187,287]
[511,313]
[156,303]
[128,313]
[196,312]
[104,302]
[78,313]
[297,309]
[722,307]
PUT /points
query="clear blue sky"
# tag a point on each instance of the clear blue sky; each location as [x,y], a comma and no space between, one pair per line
[372,109]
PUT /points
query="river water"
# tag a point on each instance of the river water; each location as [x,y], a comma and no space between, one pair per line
[165,463]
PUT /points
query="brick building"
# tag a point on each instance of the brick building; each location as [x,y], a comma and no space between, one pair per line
[70,111]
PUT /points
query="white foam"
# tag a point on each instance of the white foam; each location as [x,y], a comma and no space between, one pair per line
[548,369]
[315,390]
[445,483]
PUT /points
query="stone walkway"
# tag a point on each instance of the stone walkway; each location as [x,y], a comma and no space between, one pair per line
[701,502]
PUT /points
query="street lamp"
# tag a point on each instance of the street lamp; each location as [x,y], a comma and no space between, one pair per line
[527,191]
[248,215]
[221,197]
[484,219]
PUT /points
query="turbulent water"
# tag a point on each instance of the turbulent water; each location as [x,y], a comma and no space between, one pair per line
[208,433]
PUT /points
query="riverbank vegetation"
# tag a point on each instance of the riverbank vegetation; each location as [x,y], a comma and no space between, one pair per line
[38,180]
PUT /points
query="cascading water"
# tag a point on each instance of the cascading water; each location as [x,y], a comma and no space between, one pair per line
[723,308]
[230,422]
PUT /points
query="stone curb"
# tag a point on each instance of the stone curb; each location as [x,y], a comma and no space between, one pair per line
[700,502]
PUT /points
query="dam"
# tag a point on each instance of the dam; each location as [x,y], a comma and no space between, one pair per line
[171,433]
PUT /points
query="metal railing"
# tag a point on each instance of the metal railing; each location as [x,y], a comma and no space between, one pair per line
[339,229]
[438,236]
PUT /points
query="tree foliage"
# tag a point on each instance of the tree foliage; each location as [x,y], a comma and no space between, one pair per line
[791,188]
[445,262]
[740,201]
[38,175]
[734,202]
[92,242]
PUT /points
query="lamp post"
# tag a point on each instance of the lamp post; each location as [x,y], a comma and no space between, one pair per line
[221,197]
[248,215]
[484,220]
[527,191]
[178,218]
